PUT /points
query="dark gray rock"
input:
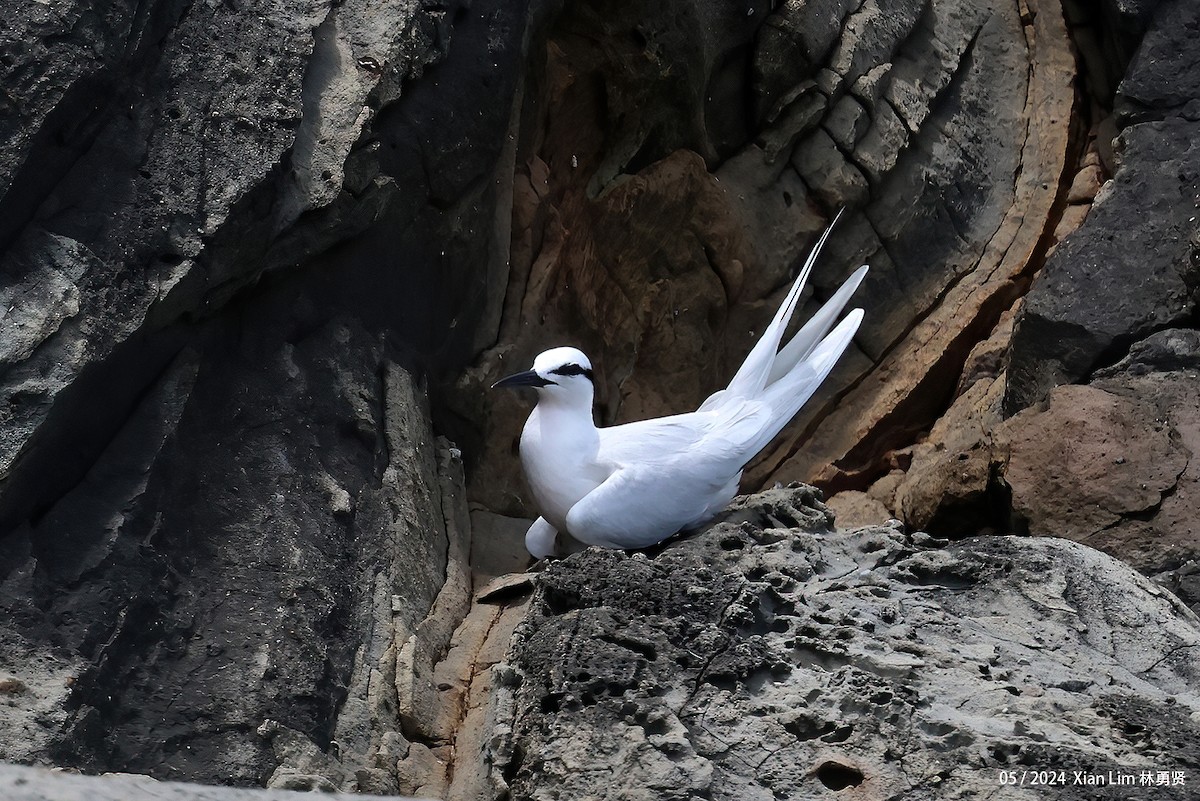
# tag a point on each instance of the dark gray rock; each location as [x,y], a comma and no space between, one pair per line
[57,76]
[34,784]
[1164,75]
[927,159]
[1137,13]
[791,47]
[1133,268]
[1134,265]
[130,163]
[1170,351]
[772,657]
[193,153]
[220,569]
[223,514]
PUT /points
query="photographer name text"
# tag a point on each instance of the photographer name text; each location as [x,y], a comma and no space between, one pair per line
[1110,778]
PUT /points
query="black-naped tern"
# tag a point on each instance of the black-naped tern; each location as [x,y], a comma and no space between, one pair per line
[633,485]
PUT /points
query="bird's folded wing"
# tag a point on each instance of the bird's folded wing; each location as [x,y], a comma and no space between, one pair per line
[714,437]
[667,474]
[641,505]
[647,441]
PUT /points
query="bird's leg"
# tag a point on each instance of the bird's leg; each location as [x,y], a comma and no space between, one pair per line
[542,539]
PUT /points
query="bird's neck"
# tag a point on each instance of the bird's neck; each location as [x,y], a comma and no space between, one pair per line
[569,416]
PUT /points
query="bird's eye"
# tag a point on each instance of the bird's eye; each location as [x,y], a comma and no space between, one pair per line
[573,369]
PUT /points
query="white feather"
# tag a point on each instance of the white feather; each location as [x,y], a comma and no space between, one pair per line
[632,485]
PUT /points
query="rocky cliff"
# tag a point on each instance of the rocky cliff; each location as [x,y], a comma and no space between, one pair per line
[773,657]
[259,265]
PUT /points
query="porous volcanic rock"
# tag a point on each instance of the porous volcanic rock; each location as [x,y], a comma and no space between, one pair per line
[771,656]
[38,784]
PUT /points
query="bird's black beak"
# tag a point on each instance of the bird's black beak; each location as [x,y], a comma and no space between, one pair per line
[529,378]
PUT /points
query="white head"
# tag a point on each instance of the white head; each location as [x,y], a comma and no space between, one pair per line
[559,374]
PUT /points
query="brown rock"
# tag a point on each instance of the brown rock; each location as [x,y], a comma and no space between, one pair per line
[446,766]
[986,359]
[884,489]
[1070,221]
[853,508]
[1088,461]
[1164,373]
[1086,184]
[946,488]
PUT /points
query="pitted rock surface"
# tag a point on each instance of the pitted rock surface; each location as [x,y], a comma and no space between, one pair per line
[772,657]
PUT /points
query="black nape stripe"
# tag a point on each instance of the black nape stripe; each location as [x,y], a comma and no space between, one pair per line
[574,369]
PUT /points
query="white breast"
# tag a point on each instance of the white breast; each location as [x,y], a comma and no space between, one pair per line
[558,452]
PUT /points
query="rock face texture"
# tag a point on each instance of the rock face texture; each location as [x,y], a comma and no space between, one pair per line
[1123,456]
[772,657]
[1114,282]
[1073,417]
[660,247]
[32,784]
[153,174]
[233,238]
[259,266]
[259,585]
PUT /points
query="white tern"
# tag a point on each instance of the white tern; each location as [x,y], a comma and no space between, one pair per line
[633,485]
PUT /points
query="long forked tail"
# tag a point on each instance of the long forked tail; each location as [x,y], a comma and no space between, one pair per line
[806,339]
[791,391]
[766,364]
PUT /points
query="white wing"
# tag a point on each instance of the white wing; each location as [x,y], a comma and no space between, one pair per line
[786,395]
[643,504]
[668,474]
[711,437]
[807,338]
